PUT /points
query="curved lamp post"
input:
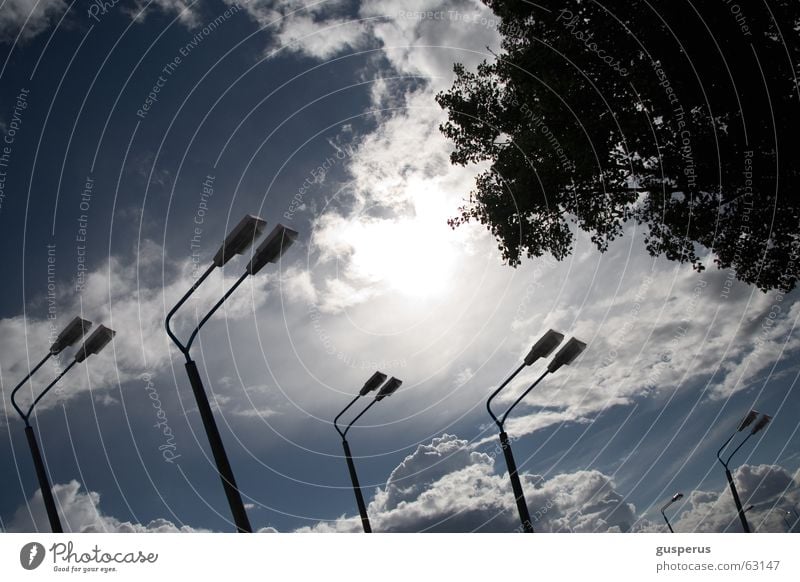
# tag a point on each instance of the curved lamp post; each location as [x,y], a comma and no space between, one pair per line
[93,345]
[763,420]
[675,498]
[236,243]
[387,389]
[542,348]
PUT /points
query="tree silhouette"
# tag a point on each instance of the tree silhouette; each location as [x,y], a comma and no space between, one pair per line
[679,116]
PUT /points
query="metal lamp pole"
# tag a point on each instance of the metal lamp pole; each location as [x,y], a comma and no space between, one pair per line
[505,444]
[96,342]
[675,498]
[236,242]
[747,421]
[388,389]
[540,349]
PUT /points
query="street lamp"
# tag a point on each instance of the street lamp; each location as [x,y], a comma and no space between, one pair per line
[236,243]
[787,517]
[542,348]
[760,423]
[784,515]
[93,344]
[387,389]
[675,498]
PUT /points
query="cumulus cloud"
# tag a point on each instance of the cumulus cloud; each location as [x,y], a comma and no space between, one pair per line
[448,486]
[80,513]
[320,39]
[25,19]
[297,285]
[425,38]
[325,29]
[318,29]
[445,486]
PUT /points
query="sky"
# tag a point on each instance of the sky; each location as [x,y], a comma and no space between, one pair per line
[137,134]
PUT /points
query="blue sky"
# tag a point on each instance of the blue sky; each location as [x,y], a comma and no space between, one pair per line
[322,117]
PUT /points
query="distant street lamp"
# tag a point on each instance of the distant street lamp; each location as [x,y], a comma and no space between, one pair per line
[387,389]
[784,515]
[676,497]
[763,420]
[789,519]
[236,243]
[93,344]
[542,348]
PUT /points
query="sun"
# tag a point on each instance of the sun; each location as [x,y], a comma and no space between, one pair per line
[412,255]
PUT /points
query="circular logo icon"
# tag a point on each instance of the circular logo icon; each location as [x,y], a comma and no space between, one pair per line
[31,555]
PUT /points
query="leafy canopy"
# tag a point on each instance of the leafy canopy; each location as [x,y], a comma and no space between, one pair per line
[680,116]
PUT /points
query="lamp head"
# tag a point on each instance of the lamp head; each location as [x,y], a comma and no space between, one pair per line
[374,381]
[95,343]
[748,420]
[74,331]
[676,497]
[389,388]
[544,347]
[269,251]
[566,355]
[239,239]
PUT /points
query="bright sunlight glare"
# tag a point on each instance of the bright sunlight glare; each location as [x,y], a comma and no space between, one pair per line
[413,255]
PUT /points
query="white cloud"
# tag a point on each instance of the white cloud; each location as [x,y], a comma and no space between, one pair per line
[320,40]
[297,285]
[425,38]
[325,29]
[185,10]
[28,18]
[315,29]
[106,399]
[338,295]
[444,486]
[255,412]
[80,512]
